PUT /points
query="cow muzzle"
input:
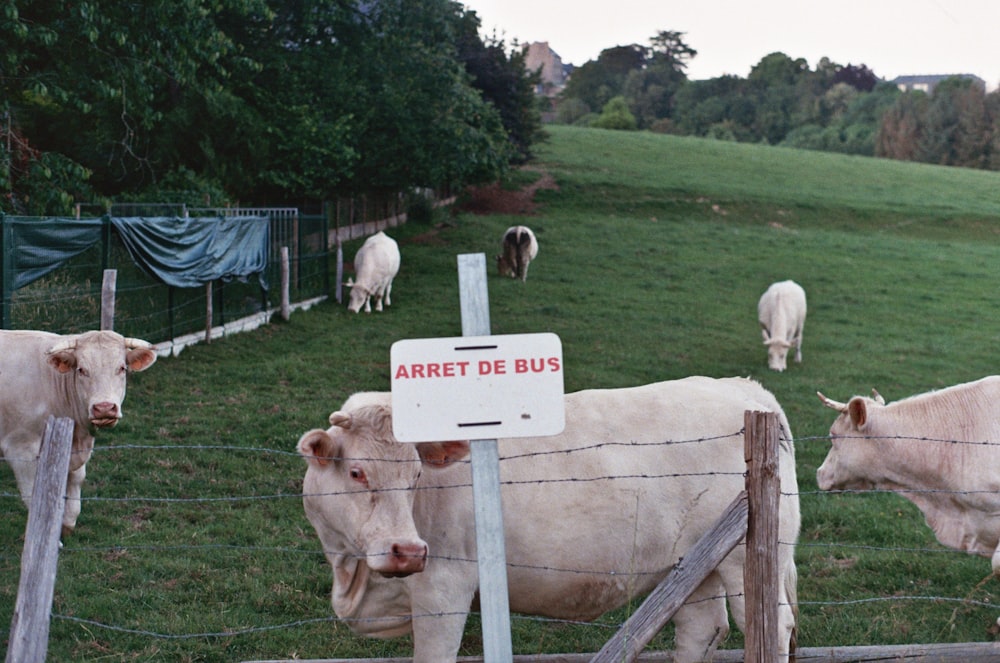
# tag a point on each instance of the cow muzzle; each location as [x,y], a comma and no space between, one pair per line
[401,560]
[104,414]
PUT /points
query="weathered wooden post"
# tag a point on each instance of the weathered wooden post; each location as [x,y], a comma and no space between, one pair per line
[209,312]
[108,287]
[760,576]
[29,627]
[664,601]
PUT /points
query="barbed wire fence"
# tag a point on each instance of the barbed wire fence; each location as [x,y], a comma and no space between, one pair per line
[291,464]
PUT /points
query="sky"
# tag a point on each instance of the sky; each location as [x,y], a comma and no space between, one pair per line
[892,37]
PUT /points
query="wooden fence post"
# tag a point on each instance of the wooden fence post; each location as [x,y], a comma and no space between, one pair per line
[209,312]
[29,627]
[661,604]
[760,576]
[108,288]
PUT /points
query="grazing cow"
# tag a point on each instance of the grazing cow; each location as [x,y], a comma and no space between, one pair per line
[782,314]
[938,449]
[518,248]
[594,517]
[79,376]
[375,264]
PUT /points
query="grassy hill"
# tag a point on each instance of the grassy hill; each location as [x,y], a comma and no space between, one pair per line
[653,253]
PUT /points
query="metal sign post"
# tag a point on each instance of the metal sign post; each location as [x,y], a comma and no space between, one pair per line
[494,602]
[479,386]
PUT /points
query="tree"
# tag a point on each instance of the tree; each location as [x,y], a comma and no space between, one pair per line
[901,130]
[598,81]
[615,115]
[505,83]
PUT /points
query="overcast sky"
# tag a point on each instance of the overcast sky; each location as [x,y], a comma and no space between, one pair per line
[893,37]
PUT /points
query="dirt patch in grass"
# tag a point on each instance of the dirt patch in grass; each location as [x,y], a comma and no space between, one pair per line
[495,199]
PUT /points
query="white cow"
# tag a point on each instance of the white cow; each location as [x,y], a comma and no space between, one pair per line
[594,517]
[782,315]
[518,248]
[79,376]
[375,264]
[910,445]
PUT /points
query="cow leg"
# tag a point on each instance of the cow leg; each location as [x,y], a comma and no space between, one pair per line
[388,291]
[378,302]
[73,485]
[439,613]
[22,456]
[701,623]
[798,346]
[368,304]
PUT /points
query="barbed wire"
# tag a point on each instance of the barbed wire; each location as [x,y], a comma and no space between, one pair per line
[534,454]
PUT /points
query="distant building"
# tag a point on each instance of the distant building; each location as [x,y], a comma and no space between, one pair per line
[538,56]
[928,83]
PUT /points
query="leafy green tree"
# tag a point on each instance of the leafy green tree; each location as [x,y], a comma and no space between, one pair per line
[596,82]
[650,89]
[957,126]
[616,115]
[901,130]
[504,81]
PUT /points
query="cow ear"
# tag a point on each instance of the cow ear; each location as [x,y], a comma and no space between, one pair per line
[139,359]
[858,410]
[64,362]
[442,454]
[316,446]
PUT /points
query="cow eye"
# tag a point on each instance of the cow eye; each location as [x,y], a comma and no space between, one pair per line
[359,475]
[82,371]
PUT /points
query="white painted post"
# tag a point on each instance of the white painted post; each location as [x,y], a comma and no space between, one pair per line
[491,553]
[286,306]
[29,627]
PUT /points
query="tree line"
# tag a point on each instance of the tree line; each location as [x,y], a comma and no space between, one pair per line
[834,107]
[261,102]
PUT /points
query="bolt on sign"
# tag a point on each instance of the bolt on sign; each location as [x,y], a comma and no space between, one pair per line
[477,387]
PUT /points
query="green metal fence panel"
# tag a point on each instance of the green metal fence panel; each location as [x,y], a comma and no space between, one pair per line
[68,299]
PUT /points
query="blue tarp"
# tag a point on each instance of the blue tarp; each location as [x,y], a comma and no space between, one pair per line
[181,252]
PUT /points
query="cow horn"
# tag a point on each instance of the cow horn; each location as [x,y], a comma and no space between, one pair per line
[132,343]
[877,397]
[839,407]
[62,346]
[341,419]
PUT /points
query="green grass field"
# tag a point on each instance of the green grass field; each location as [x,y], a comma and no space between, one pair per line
[653,253]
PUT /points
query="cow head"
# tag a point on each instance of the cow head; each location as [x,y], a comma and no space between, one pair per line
[777,353]
[359,491]
[359,295]
[853,456]
[97,364]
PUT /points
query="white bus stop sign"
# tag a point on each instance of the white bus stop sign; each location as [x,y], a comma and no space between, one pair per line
[477,387]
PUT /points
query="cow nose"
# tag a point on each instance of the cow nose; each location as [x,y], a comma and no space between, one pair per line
[408,557]
[104,411]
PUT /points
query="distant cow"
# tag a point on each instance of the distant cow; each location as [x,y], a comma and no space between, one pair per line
[594,517]
[782,315]
[375,266]
[79,376]
[519,247]
[941,445]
